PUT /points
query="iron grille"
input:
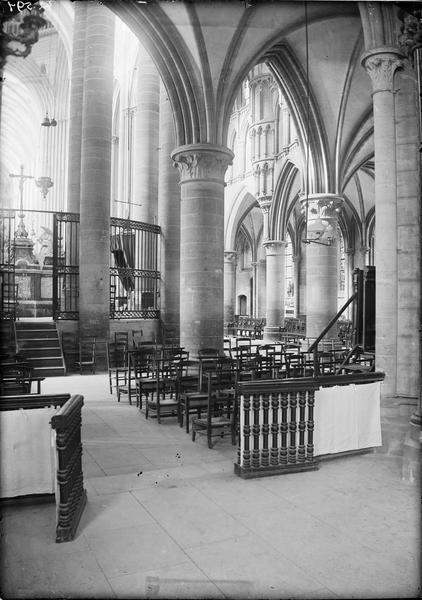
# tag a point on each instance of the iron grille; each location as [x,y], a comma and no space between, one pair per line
[9,292]
[134,278]
[66,266]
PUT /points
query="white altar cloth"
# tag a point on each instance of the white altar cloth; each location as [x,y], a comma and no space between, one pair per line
[347,418]
[28,453]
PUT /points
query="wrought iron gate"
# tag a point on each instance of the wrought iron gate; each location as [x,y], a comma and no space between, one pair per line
[134,277]
[7,266]
[66,266]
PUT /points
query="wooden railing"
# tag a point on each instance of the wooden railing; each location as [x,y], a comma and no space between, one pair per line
[276,422]
[71,493]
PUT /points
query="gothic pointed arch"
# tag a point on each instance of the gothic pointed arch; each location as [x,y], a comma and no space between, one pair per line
[176,67]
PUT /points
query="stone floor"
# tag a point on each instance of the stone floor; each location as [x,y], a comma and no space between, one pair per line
[167,518]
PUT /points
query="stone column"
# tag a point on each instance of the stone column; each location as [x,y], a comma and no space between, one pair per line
[75,113]
[254,266]
[169,221]
[265,203]
[296,259]
[261,292]
[145,166]
[94,239]
[321,261]
[230,261]
[202,168]
[275,251]
[381,65]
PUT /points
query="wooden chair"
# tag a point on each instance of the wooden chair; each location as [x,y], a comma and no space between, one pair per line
[121,337]
[221,416]
[137,335]
[15,379]
[163,400]
[70,348]
[192,401]
[137,369]
[116,365]
[86,355]
[207,364]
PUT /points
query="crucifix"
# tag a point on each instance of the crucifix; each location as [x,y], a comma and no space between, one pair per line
[21,231]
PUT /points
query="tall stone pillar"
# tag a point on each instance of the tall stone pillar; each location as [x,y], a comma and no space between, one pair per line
[145,167]
[202,168]
[254,311]
[265,203]
[296,258]
[76,100]
[275,251]
[94,239]
[381,65]
[261,275]
[169,221]
[230,261]
[321,261]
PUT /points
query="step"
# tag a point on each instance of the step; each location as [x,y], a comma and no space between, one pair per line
[30,334]
[40,352]
[48,372]
[39,343]
[45,361]
[23,325]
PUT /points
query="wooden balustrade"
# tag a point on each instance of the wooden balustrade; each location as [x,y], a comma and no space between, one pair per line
[71,493]
[276,422]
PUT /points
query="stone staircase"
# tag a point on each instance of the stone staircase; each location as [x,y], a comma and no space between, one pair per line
[38,342]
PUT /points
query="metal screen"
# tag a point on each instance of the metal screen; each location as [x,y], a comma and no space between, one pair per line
[7,266]
[134,278]
[66,266]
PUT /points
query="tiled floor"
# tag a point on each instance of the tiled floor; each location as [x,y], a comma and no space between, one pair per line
[167,518]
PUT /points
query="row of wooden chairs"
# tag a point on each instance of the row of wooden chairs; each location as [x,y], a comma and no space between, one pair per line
[164,386]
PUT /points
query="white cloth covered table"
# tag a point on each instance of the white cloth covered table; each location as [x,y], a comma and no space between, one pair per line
[28,453]
[347,418]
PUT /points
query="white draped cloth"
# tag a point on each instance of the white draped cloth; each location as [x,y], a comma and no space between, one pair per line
[28,453]
[347,418]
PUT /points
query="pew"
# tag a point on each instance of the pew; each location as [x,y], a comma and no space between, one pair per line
[33,420]
[288,425]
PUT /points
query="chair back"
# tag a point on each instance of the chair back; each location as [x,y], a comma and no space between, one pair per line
[15,379]
[116,356]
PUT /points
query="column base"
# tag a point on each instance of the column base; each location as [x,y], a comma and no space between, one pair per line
[271,334]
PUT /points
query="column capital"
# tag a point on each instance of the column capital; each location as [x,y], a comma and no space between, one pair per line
[325,202]
[230,256]
[265,203]
[321,217]
[274,247]
[202,161]
[381,64]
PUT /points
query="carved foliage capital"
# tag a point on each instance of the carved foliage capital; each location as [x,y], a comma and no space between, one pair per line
[202,161]
[265,203]
[274,247]
[381,67]
[230,256]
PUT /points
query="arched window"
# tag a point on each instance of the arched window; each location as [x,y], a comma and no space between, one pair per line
[243,305]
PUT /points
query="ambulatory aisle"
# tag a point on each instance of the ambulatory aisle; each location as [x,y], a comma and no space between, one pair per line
[168,518]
